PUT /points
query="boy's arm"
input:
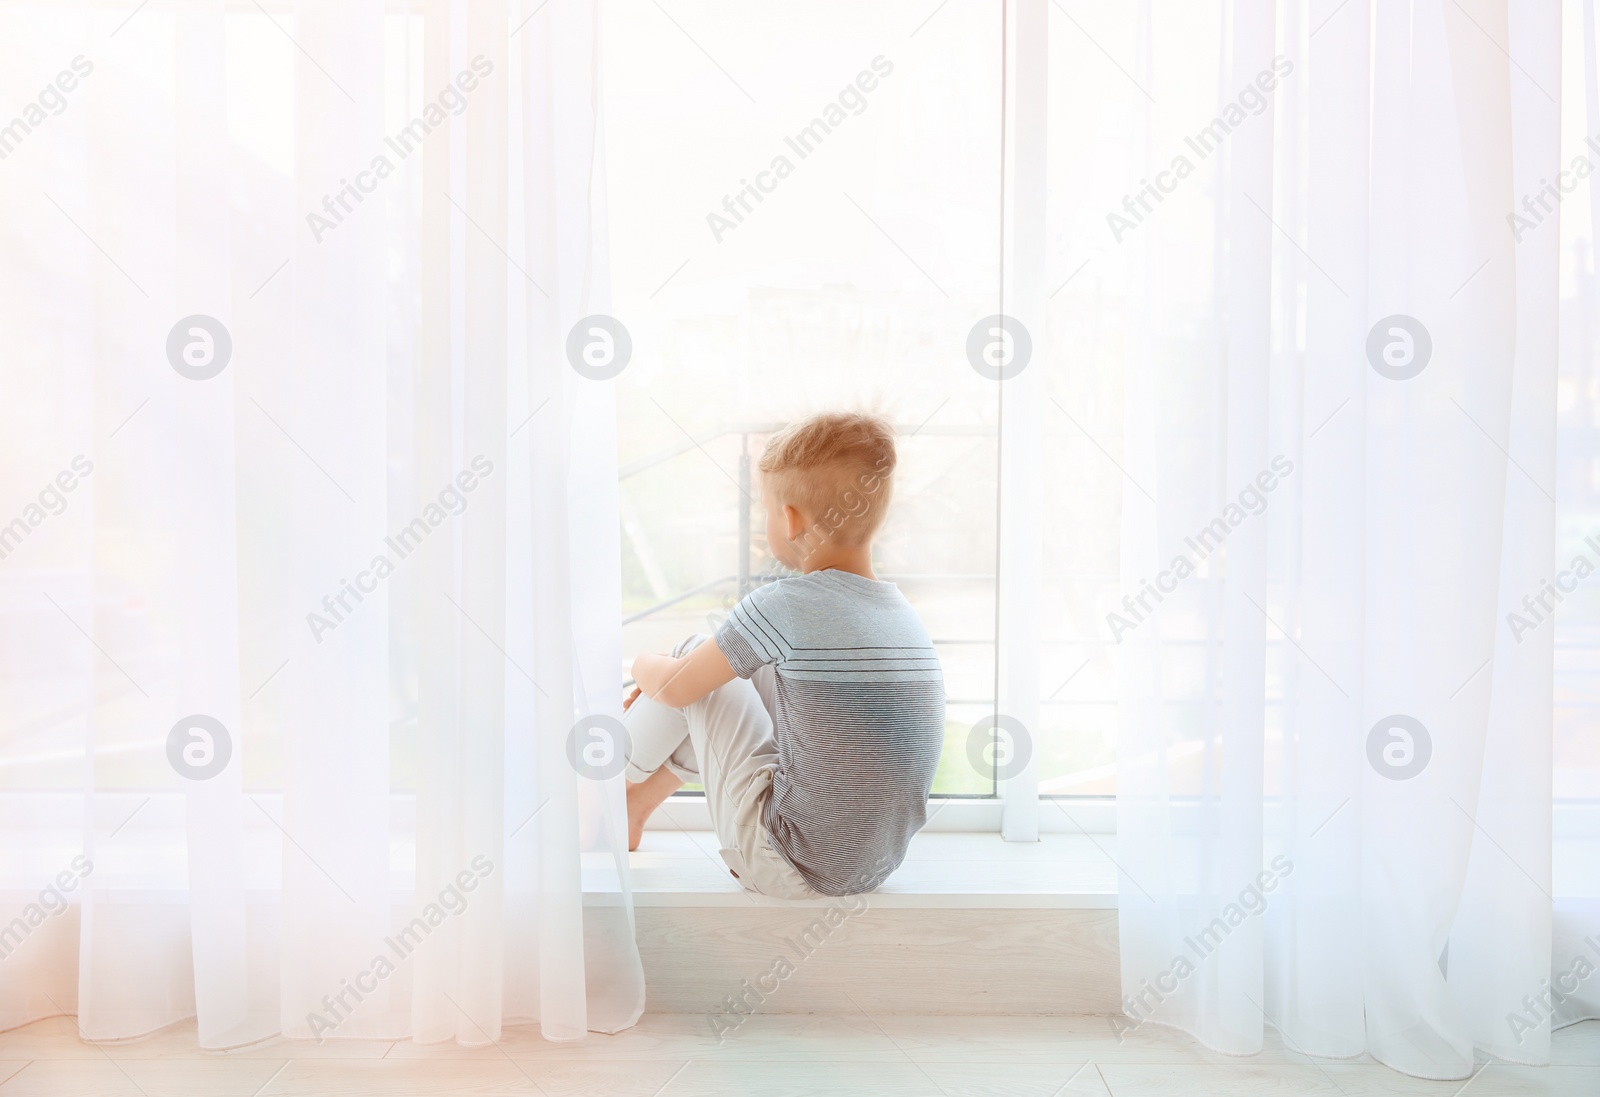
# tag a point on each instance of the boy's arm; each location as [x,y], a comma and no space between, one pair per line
[679,682]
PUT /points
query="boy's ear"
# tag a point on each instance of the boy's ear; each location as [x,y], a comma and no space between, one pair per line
[793,522]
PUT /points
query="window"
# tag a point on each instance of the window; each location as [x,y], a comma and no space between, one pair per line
[780,244]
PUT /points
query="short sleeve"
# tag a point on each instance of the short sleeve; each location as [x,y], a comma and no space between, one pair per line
[752,635]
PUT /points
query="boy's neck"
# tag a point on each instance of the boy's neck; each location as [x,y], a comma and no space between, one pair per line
[856,559]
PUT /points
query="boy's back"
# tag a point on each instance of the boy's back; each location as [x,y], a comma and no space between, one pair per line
[817,765]
[859,721]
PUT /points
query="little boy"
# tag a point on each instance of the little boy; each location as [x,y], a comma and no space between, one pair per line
[815,717]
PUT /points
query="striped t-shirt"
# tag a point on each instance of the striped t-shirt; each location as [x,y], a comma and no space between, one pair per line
[859,721]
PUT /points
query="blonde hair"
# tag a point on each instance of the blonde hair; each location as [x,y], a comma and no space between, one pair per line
[835,468]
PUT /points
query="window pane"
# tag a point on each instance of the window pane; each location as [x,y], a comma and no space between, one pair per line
[780,194]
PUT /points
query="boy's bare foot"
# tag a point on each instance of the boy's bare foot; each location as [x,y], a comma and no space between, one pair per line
[643,799]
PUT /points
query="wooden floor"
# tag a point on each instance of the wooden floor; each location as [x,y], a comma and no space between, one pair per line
[677,1055]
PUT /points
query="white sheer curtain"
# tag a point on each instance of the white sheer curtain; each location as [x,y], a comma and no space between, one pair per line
[377,549]
[1374,747]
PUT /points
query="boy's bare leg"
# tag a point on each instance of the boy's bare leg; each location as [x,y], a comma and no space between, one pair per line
[643,799]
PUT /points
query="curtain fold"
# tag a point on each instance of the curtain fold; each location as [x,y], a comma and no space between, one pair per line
[1315,997]
[208,609]
[335,825]
[1509,874]
[340,566]
[564,168]
[1363,482]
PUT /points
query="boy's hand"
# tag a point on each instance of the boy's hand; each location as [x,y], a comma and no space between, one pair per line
[679,682]
[627,702]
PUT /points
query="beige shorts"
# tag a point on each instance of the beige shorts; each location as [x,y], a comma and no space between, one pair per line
[725,742]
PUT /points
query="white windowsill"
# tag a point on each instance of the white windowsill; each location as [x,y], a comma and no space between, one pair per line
[954,864]
[941,870]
